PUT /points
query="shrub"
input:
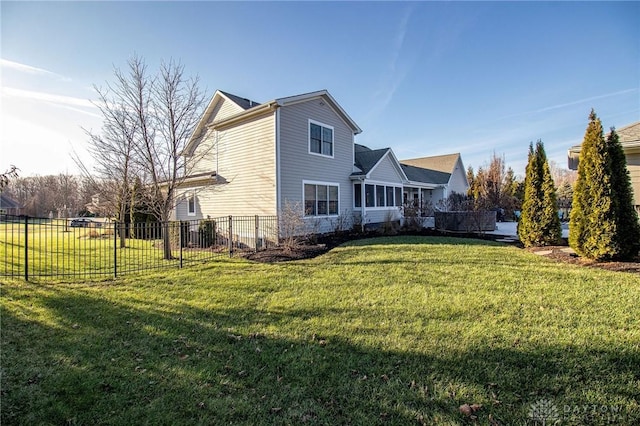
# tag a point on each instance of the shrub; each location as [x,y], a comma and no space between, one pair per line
[539,223]
[604,225]
[207,233]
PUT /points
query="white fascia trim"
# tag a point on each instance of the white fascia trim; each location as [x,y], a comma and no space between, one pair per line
[333,137]
[422,185]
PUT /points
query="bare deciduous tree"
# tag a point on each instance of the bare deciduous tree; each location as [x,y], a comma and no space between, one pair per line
[148,121]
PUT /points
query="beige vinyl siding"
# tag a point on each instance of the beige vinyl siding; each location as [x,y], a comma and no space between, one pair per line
[246,172]
[224,109]
[298,165]
[633,165]
[203,159]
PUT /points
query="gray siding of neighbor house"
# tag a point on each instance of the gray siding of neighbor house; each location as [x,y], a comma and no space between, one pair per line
[246,170]
[298,165]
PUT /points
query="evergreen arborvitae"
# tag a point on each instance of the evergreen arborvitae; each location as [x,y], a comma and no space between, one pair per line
[627,236]
[598,228]
[539,222]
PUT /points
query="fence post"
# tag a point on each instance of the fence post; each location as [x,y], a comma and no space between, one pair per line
[180,244]
[115,249]
[230,235]
[257,230]
[26,248]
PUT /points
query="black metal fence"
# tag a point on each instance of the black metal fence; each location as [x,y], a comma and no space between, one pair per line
[85,248]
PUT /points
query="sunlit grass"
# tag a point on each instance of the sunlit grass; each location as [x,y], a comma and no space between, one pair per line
[53,249]
[390,330]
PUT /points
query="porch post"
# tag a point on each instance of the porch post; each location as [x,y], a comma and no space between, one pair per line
[363,200]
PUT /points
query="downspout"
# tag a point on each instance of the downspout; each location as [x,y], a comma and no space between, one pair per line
[278,180]
[362,204]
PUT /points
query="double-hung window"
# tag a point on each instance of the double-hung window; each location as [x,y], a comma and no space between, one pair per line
[320,199]
[320,139]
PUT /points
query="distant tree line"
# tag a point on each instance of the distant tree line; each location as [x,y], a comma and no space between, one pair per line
[61,195]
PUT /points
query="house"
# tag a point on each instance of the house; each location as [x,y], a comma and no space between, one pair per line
[9,206]
[445,171]
[629,137]
[249,158]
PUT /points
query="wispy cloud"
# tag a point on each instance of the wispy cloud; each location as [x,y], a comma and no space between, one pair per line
[571,103]
[28,69]
[70,102]
[393,74]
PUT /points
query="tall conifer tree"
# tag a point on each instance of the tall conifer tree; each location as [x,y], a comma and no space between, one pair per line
[627,236]
[602,224]
[539,223]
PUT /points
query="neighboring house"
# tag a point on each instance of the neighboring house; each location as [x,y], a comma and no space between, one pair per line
[9,206]
[630,140]
[446,171]
[248,158]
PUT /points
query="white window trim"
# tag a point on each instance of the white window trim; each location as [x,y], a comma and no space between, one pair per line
[190,195]
[378,183]
[333,142]
[317,182]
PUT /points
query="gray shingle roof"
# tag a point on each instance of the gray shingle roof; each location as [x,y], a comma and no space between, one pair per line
[367,158]
[8,203]
[241,102]
[419,174]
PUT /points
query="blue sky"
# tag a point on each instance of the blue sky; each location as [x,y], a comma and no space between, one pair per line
[424,78]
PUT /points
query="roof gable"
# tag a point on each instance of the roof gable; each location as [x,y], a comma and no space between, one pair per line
[290,100]
[440,163]
[243,103]
[368,159]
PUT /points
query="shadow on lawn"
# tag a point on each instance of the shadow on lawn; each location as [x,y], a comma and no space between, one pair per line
[110,363]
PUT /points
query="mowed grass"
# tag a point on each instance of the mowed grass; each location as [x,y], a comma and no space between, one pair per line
[56,250]
[384,331]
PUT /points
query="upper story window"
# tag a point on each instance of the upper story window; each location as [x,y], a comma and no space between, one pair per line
[320,139]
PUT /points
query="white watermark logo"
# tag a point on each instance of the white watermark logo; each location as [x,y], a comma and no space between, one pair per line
[544,412]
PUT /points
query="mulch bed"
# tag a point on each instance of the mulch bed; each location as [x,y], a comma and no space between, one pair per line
[323,244]
[559,255]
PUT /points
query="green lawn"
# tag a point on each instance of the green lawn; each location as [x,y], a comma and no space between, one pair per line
[384,331]
[55,250]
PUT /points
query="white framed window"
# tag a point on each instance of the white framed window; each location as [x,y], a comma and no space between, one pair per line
[191,203]
[321,198]
[320,139]
[376,195]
